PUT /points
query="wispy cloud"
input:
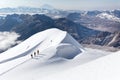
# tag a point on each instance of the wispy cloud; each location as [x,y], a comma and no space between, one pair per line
[8,39]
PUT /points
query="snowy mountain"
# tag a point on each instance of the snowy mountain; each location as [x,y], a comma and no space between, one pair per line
[49,45]
[27,25]
[56,51]
[108,16]
[44,9]
[99,20]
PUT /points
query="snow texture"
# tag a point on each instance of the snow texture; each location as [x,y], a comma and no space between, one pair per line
[58,52]
[105,68]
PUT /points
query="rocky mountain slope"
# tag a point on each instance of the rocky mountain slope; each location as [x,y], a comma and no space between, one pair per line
[100,20]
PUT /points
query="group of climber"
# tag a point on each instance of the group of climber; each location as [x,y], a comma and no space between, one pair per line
[35,54]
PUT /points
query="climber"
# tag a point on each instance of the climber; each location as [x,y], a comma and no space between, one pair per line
[34,53]
[37,52]
[31,55]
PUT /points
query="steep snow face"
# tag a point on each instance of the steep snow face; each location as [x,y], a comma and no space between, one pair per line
[108,16]
[68,51]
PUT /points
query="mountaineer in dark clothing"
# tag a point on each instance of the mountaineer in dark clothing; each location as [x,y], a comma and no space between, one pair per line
[34,53]
[31,55]
[37,52]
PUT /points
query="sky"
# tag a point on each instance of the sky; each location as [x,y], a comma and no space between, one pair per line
[65,4]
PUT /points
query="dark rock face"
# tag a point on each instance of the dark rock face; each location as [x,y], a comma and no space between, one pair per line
[27,25]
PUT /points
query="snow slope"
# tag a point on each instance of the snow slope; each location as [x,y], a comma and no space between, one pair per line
[105,68]
[58,52]
[35,69]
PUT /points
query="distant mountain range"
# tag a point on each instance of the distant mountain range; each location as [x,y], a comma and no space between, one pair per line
[49,10]
[27,25]
[79,16]
[45,9]
[98,20]
[87,27]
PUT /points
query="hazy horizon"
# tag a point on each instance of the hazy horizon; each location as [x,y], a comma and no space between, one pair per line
[64,4]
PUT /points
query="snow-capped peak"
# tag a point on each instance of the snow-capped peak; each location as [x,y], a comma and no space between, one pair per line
[108,16]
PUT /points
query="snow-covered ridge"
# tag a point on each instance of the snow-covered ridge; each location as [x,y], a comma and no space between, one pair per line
[58,51]
[45,39]
[50,43]
[108,16]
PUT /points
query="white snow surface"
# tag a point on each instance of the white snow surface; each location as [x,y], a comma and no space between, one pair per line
[105,68]
[59,54]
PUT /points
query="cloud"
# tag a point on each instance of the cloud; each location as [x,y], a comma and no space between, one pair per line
[8,39]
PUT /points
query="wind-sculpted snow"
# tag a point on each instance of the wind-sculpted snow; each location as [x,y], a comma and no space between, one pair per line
[50,43]
[44,53]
